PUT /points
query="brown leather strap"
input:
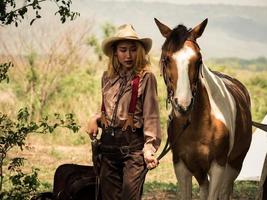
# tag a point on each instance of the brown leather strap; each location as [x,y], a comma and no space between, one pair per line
[103,120]
[123,150]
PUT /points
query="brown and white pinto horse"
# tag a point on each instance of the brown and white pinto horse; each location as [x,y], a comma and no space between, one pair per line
[211,127]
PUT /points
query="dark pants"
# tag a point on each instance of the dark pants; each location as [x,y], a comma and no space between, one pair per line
[120,173]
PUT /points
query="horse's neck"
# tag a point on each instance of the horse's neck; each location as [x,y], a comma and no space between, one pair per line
[211,82]
[221,101]
[218,94]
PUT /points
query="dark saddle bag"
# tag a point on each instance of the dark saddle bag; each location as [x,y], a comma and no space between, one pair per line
[75,182]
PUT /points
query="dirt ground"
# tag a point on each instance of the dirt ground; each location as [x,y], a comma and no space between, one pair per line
[169,195]
[160,196]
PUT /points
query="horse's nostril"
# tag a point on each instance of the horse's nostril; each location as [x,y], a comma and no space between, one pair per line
[183,109]
[180,108]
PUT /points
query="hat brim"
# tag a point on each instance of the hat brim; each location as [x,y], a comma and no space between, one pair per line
[107,43]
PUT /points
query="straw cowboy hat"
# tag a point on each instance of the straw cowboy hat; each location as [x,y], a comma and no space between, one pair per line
[125,32]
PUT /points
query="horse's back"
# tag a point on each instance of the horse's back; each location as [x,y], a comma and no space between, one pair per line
[236,88]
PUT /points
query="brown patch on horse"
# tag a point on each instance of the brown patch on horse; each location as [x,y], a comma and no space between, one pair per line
[171,69]
[195,62]
[174,74]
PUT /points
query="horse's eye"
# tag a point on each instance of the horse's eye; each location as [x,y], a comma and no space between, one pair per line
[199,62]
[165,60]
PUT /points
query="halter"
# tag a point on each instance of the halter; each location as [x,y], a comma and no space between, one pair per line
[170,92]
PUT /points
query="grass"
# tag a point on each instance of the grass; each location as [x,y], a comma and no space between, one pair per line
[160,183]
[243,190]
[159,190]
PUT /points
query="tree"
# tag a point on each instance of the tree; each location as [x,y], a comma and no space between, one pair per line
[4,67]
[12,11]
[14,132]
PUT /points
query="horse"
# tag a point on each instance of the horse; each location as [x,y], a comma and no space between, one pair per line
[210,126]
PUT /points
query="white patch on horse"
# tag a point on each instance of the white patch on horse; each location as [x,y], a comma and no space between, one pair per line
[183,91]
[223,105]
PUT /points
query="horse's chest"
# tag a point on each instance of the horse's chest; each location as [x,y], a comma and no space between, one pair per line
[201,148]
[194,150]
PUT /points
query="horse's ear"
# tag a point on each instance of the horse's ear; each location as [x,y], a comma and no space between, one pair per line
[165,30]
[199,29]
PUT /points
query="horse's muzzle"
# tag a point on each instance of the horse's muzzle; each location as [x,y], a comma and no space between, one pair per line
[181,109]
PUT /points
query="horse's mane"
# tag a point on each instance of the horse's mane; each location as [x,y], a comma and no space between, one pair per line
[176,39]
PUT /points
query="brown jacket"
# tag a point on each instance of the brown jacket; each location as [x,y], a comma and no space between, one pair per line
[147,110]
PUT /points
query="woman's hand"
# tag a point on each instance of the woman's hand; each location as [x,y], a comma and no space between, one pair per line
[150,160]
[92,127]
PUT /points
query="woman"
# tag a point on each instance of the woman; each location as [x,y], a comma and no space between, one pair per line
[129,116]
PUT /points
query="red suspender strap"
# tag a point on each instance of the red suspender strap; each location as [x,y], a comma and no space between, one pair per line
[135,85]
[130,120]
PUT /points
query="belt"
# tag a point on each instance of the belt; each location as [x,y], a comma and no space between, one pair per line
[119,130]
[123,150]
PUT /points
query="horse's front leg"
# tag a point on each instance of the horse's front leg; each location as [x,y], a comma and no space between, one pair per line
[184,178]
[216,173]
[204,189]
[230,174]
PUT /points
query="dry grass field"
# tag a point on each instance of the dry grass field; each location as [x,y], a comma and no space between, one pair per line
[47,152]
[68,80]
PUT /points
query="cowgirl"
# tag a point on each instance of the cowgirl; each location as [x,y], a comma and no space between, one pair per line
[129,116]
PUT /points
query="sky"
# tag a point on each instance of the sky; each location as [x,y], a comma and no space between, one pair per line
[227,2]
[242,30]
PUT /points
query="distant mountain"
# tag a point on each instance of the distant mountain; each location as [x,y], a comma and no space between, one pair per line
[258,64]
[232,31]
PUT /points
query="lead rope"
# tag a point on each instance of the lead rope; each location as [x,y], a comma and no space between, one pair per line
[97,188]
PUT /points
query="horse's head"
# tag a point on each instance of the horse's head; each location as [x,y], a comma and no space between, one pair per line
[181,61]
